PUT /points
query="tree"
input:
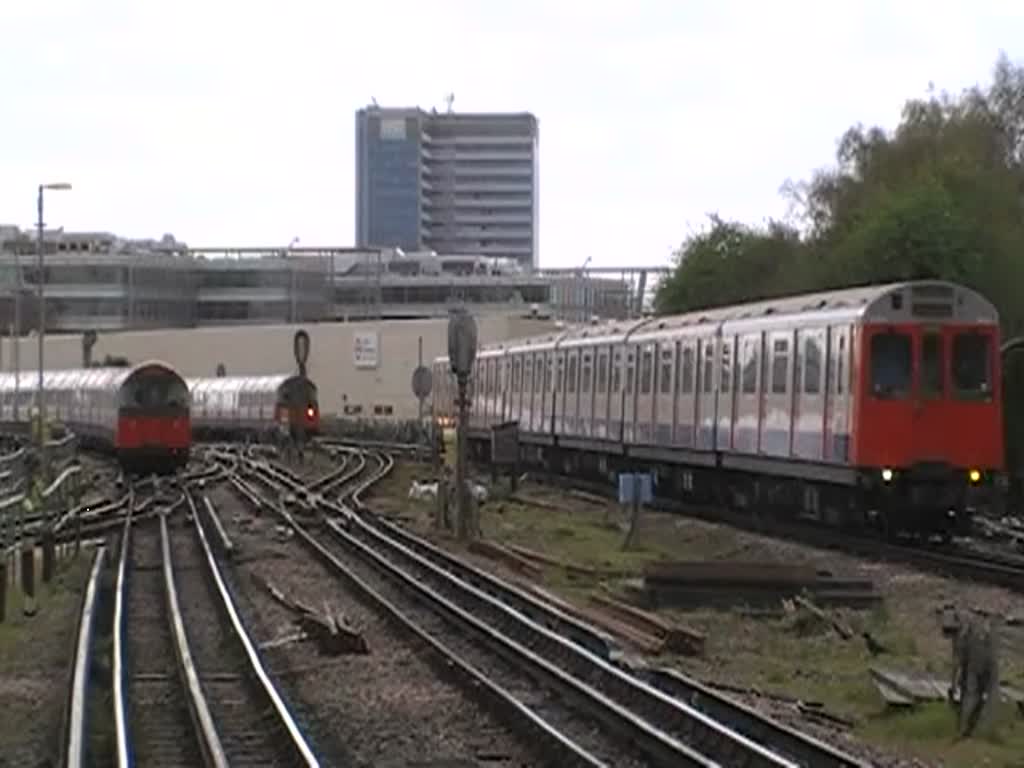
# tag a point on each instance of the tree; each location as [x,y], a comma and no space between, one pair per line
[940,196]
[730,263]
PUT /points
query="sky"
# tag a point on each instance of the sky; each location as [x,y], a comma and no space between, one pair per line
[231,122]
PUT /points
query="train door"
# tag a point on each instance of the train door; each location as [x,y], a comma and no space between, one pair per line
[629,387]
[526,399]
[705,395]
[664,399]
[747,414]
[530,418]
[488,389]
[836,396]
[547,393]
[523,387]
[615,395]
[586,409]
[645,393]
[776,399]
[726,394]
[599,410]
[809,416]
[930,421]
[686,401]
[572,392]
[515,373]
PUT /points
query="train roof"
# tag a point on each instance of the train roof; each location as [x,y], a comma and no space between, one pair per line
[89,378]
[271,383]
[907,301]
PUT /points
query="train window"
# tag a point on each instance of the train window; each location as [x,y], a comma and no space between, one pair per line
[686,381]
[780,366]
[750,349]
[630,373]
[587,385]
[665,376]
[617,374]
[812,366]
[602,374]
[646,371]
[972,366]
[932,365]
[572,372]
[890,365]
[709,371]
[726,367]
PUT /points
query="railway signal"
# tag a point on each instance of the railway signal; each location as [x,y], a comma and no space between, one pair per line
[462,339]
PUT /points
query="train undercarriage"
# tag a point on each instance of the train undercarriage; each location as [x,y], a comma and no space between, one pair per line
[929,502]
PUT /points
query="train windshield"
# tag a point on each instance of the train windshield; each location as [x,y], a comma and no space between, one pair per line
[890,365]
[155,391]
[972,366]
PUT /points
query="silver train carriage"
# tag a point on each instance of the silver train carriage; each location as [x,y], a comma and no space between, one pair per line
[139,413]
[778,397]
[229,407]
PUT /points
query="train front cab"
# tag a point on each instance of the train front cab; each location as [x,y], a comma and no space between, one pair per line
[154,432]
[298,404]
[929,436]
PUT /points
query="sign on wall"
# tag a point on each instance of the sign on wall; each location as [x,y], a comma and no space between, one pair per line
[365,349]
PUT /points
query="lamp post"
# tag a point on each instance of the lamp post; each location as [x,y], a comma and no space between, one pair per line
[57,187]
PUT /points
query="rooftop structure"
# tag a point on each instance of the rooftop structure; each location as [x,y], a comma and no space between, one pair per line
[102,282]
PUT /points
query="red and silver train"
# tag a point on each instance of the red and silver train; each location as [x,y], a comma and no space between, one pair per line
[230,407]
[139,413]
[878,405]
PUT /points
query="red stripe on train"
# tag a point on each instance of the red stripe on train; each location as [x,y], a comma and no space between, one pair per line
[140,432]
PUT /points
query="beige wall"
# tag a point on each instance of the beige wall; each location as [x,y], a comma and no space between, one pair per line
[258,350]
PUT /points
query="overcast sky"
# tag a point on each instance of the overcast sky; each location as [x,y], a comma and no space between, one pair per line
[230,122]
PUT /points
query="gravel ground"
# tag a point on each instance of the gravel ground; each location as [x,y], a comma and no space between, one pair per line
[34,657]
[384,707]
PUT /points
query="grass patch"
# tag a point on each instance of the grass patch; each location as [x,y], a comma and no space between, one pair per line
[50,598]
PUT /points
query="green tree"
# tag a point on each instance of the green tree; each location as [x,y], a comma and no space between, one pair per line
[731,263]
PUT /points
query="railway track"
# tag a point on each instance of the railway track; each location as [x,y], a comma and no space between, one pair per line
[610,707]
[154,697]
[189,686]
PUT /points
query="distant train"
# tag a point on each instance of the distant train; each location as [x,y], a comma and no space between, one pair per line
[876,406]
[140,413]
[232,407]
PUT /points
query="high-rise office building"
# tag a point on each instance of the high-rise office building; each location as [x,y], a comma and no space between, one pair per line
[455,183]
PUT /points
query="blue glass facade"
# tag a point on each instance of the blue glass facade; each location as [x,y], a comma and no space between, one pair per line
[388,187]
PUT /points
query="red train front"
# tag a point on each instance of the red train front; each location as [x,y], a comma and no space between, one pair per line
[154,432]
[928,414]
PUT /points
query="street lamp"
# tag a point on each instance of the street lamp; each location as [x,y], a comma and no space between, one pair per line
[56,187]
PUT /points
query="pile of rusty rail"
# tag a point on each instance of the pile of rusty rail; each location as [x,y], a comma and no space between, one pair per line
[725,584]
[642,629]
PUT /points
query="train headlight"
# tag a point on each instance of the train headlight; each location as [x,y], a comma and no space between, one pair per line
[974,476]
[310,413]
[886,475]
